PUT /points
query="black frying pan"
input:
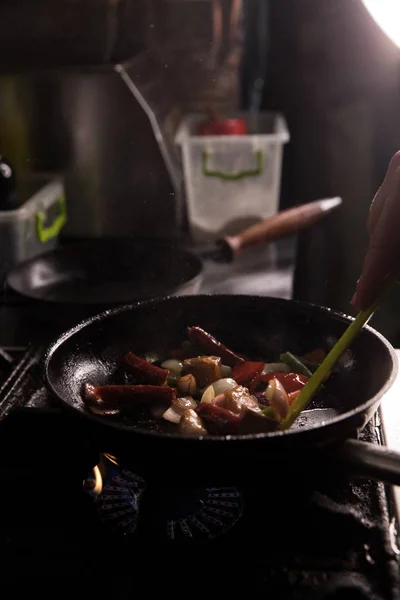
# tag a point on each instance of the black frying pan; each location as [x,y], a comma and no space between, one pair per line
[259,327]
[118,271]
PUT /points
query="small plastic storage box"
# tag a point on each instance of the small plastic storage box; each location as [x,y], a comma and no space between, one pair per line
[232,181]
[34,227]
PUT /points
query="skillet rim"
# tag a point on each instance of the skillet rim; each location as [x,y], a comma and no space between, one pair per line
[109,313]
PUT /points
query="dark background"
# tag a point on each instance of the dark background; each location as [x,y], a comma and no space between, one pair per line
[324,64]
[335,76]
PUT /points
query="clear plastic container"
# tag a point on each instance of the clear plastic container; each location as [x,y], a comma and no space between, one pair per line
[34,227]
[232,181]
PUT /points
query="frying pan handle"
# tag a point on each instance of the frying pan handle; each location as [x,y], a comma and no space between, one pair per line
[281,225]
[370,461]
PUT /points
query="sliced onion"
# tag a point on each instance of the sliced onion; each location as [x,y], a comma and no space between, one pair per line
[275,368]
[178,407]
[222,385]
[217,388]
[208,394]
[226,371]
[172,415]
[173,365]
[277,397]
[219,400]
[182,404]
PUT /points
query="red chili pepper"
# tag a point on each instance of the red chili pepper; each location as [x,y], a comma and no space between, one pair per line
[143,371]
[209,344]
[121,396]
[247,374]
[222,417]
[290,381]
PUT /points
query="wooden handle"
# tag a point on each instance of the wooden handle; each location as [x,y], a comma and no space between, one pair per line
[281,225]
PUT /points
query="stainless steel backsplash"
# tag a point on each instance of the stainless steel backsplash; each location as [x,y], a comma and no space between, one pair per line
[87,125]
[59,115]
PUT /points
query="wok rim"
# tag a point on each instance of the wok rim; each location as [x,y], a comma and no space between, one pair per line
[211,439]
[18,271]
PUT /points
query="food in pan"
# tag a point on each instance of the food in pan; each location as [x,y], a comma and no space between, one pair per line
[205,388]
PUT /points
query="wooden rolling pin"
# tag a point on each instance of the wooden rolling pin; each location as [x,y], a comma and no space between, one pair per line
[280,225]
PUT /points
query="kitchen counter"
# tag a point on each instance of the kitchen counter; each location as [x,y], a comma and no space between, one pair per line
[266,272]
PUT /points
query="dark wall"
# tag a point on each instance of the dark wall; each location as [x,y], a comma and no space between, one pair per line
[336,76]
[69,111]
[42,34]
[201,72]
[47,33]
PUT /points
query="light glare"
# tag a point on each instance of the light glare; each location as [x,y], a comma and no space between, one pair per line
[386,13]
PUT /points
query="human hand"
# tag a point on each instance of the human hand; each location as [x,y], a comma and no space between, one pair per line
[382,260]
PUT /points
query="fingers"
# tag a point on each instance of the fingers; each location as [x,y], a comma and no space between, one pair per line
[376,209]
[380,198]
[383,257]
[374,275]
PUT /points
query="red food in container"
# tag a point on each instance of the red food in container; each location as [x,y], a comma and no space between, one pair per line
[217,125]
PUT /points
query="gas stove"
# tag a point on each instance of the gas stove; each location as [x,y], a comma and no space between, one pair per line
[69,512]
[338,536]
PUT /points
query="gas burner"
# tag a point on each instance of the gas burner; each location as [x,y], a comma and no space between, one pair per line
[200,514]
[117,493]
[186,514]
